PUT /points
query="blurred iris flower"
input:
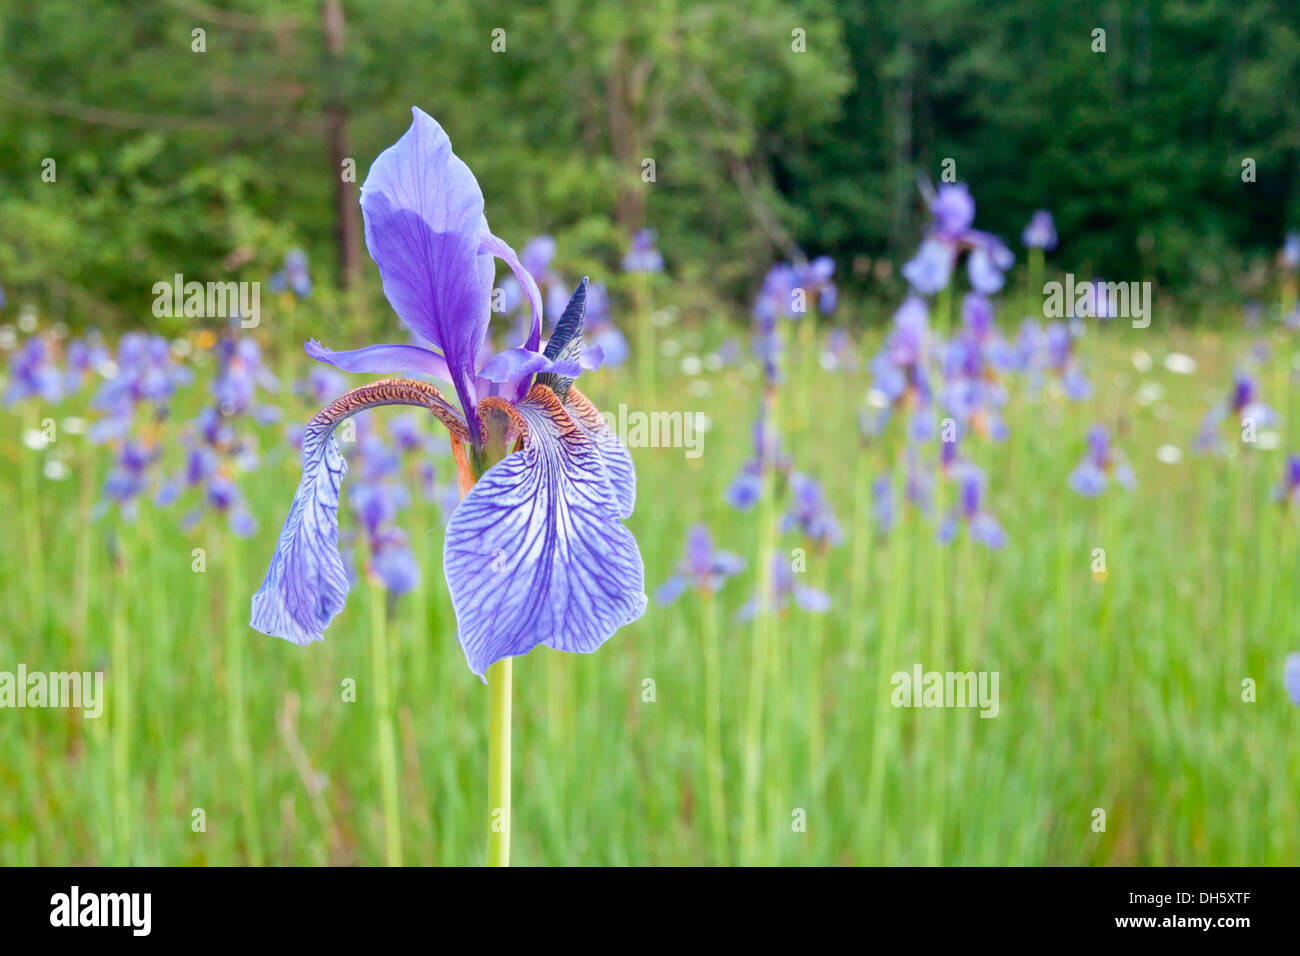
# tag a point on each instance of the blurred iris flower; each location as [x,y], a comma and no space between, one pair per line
[294,276]
[643,256]
[971,510]
[951,232]
[703,567]
[1242,405]
[786,589]
[536,553]
[1099,464]
[1040,233]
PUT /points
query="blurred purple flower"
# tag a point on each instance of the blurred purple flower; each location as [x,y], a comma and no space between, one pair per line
[785,589]
[702,568]
[1040,233]
[1101,462]
[643,256]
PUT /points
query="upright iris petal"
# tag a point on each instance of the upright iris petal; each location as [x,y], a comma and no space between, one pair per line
[426,231]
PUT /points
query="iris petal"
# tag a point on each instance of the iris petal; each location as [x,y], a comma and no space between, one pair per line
[424,227]
[501,250]
[535,554]
[618,460]
[383,360]
[307,582]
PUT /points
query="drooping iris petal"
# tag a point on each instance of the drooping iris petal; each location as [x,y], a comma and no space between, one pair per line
[383,360]
[425,229]
[307,582]
[536,554]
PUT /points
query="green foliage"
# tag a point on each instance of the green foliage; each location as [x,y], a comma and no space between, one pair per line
[214,163]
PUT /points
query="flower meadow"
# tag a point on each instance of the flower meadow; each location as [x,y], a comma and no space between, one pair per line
[945,580]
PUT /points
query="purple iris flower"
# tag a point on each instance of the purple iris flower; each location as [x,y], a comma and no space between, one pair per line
[218,449]
[83,358]
[971,511]
[129,477]
[144,373]
[536,552]
[1291,677]
[293,276]
[952,211]
[744,490]
[810,513]
[643,256]
[1040,233]
[970,363]
[930,269]
[702,568]
[785,589]
[789,289]
[1100,463]
[900,370]
[1242,404]
[33,373]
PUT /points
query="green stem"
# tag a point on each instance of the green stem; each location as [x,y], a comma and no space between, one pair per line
[384,723]
[239,746]
[121,722]
[759,665]
[1035,288]
[499,680]
[713,729]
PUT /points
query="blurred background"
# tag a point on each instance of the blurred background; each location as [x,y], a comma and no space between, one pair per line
[1110,526]
[213,163]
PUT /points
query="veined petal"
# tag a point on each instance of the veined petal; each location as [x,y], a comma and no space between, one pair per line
[424,227]
[618,460]
[535,554]
[383,360]
[307,582]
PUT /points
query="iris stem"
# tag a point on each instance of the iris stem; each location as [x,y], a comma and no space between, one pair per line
[469,469]
[713,728]
[1035,286]
[121,719]
[499,681]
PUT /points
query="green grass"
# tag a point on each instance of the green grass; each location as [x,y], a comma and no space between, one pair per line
[1123,694]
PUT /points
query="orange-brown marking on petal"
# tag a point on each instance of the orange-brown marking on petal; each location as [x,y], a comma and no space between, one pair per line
[587,413]
[500,418]
[464,474]
[394,391]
